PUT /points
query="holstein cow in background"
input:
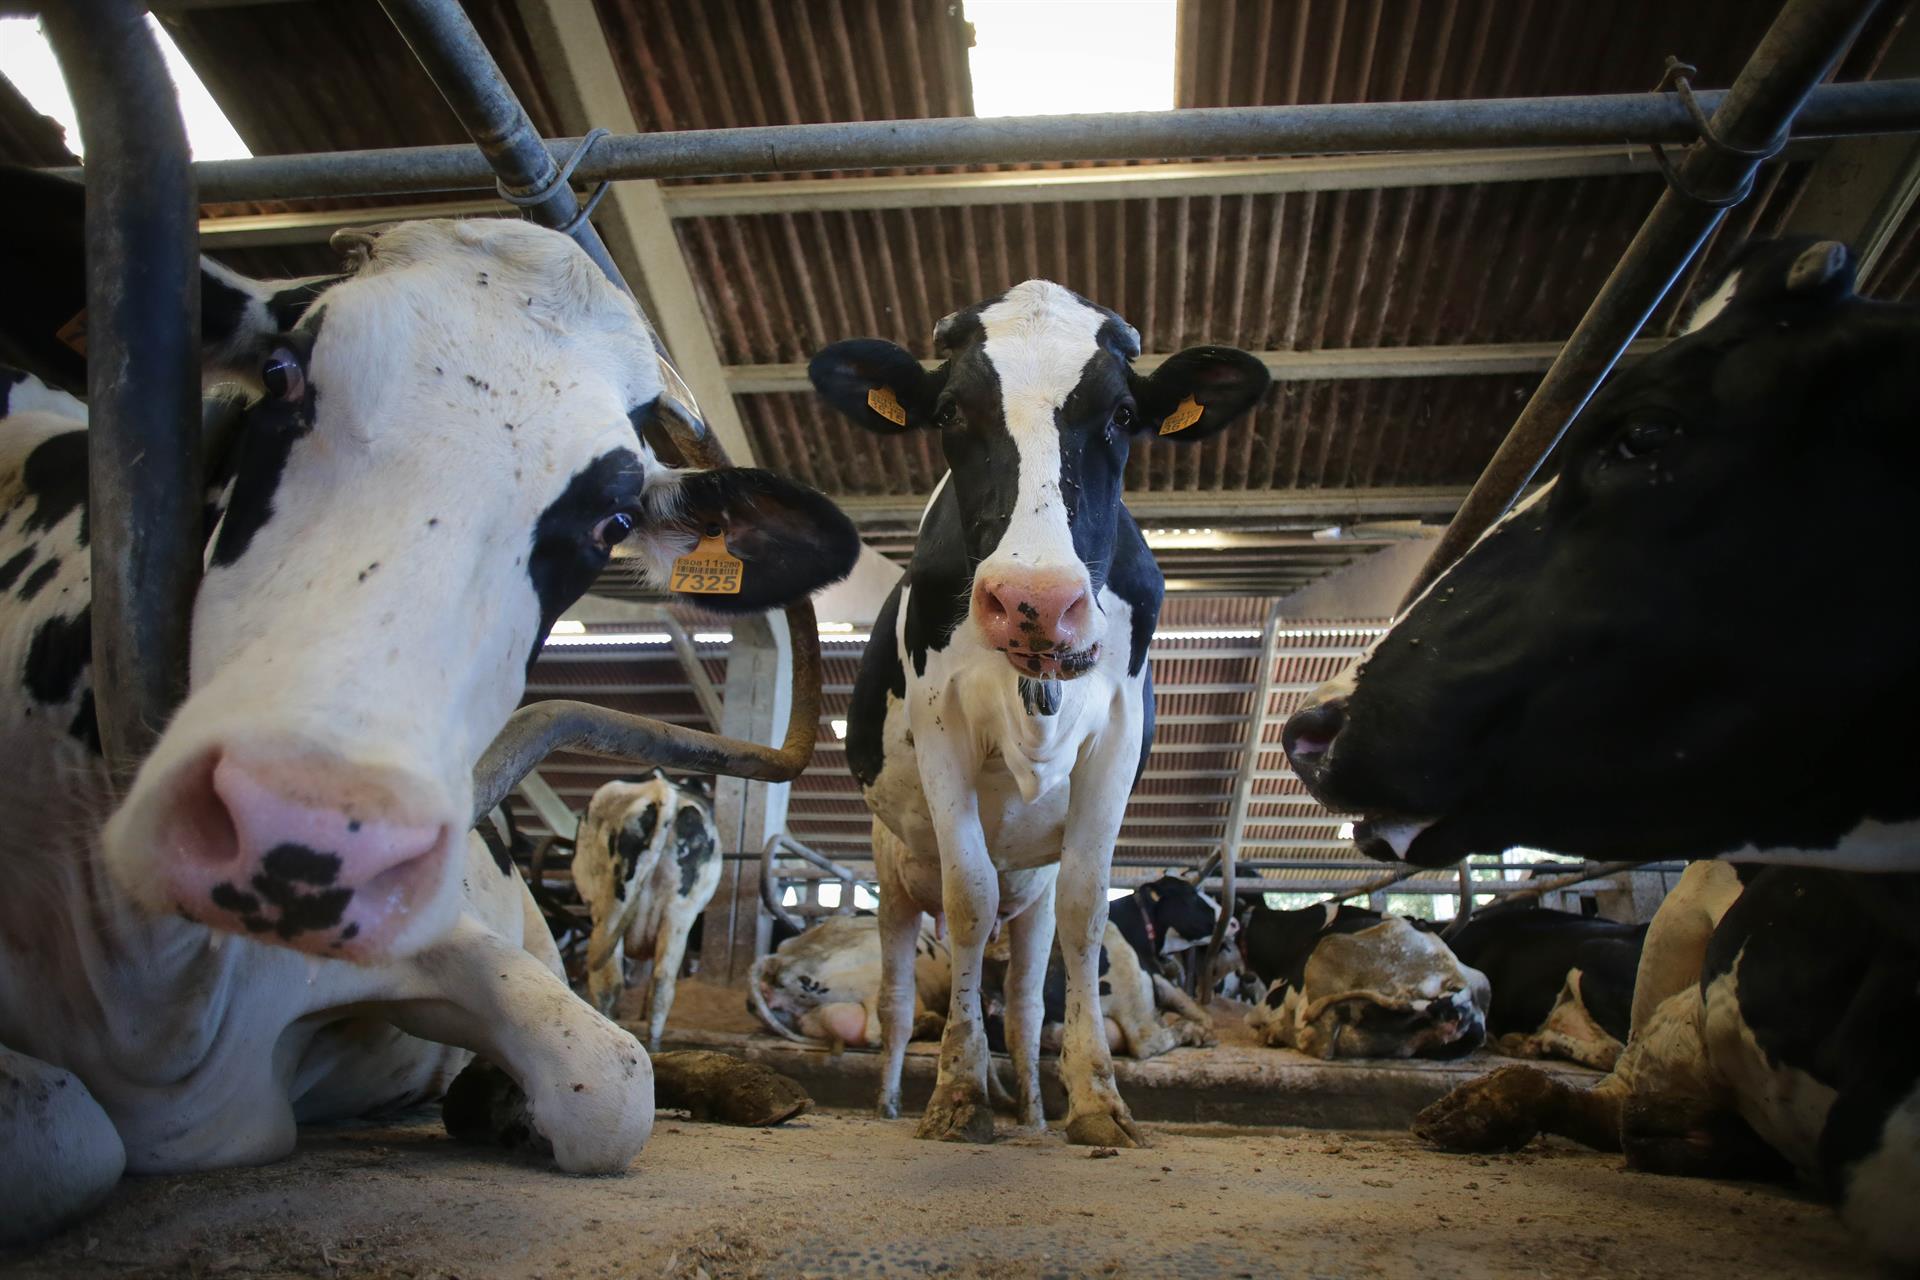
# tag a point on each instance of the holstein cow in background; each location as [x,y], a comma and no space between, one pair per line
[1344,982]
[824,985]
[1142,1013]
[646,861]
[285,917]
[1004,707]
[1562,983]
[1600,671]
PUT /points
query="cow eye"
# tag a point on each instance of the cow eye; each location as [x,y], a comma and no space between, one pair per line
[1642,438]
[613,530]
[1123,417]
[282,375]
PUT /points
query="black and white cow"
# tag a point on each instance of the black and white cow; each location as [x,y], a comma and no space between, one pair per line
[646,861]
[283,916]
[1005,707]
[1562,983]
[823,986]
[1599,672]
[1165,918]
[1345,982]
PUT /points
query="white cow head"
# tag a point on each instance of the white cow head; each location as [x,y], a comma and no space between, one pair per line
[445,451]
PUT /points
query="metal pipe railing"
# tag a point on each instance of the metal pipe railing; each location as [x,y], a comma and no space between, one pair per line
[144,479]
[1632,119]
[1750,122]
[782,843]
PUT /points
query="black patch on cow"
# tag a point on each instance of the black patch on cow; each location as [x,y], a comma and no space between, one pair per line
[1040,697]
[289,895]
[60,650]
[9,379]
[13,568]
[223,308]
[1526,953]
[881,673]
[288,306]
[86,724]
[55,473]
[502,855]
[266,439]
[630,845]
[693,845]
[1169,904]
[563,560]
[38,579]
[1278,944]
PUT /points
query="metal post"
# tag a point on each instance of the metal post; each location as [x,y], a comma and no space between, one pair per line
[1750,122]
[143,372]
[1628,119]
[454,56]
[1242,795]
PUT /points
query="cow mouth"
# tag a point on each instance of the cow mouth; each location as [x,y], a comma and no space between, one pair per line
[1053,664]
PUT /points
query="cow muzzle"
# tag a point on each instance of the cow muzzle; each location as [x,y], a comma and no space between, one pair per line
[300,849]
[1042,621]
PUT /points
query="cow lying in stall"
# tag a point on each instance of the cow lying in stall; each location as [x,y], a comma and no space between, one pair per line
[646,862]
[1004,707]
[284,917]
[1596,674]
[1345,982]
[823,986]
[1563,984]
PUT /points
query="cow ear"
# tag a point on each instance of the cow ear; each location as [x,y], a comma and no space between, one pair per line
[1194,394]
[787,539]
[877,384]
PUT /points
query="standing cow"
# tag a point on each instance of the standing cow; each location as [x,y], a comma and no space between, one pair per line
[1600,673]
[1004,707]
[646,862]
[283,916]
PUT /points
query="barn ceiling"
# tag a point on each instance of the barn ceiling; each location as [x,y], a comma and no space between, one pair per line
[1407,305]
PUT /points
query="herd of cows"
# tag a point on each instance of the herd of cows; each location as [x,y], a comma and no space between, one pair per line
[283,917]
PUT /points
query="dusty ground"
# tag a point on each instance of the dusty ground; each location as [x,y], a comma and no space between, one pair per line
[836,1195]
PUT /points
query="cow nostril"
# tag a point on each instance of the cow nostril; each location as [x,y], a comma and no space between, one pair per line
[1310,731]
[992,604]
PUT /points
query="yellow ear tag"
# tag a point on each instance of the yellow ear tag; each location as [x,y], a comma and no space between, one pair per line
[883,402]
[707,570]
[1184,415]
[74,333]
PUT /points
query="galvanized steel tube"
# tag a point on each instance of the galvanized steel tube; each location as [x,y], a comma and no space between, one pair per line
[1777,83]
[144,479]
[1628,119]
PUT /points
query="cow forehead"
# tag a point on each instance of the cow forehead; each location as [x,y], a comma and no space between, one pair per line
[495,305]
[1039,337]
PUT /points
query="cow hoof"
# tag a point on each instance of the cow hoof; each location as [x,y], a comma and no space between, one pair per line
[956,1120]
[1497,1112]
[888,1108]
[1104,1129]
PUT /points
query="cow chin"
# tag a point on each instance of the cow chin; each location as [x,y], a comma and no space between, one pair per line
[290,846]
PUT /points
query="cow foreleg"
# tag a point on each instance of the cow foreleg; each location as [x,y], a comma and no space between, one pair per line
[669,951]
[899,938]
[1029,942]
[588,1084]
[63,1155]
[1185,1018]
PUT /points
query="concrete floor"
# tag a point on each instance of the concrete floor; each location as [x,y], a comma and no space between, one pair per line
[839,1195]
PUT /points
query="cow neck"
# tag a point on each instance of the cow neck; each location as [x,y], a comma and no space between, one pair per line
[1130,917]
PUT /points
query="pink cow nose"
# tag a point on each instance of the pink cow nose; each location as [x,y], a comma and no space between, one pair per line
[1034,613]
[316,854]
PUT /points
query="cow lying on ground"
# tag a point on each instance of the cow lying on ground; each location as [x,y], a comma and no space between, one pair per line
[1345,982]
[1562,983]
[284,917]
[824,985]
[1142,1012]
[646,862]
[1595,675]
[1004,707]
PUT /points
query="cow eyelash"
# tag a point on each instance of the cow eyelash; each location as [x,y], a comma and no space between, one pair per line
[1638,439]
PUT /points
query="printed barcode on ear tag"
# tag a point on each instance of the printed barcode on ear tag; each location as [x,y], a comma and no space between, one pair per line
[707,570]
[883,402]
[1184,415]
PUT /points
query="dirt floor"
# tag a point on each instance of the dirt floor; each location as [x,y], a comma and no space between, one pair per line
[838,1195]
[842,1194]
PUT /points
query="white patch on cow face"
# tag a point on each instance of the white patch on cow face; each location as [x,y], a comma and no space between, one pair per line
[379,622]
[1039,338]
[1713,304]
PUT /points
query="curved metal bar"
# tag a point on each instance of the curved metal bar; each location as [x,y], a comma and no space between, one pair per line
[780,842]
[1883,106]
[143,369]
[1588,871]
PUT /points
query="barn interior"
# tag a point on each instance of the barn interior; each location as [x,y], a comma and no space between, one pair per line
[1406,302]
